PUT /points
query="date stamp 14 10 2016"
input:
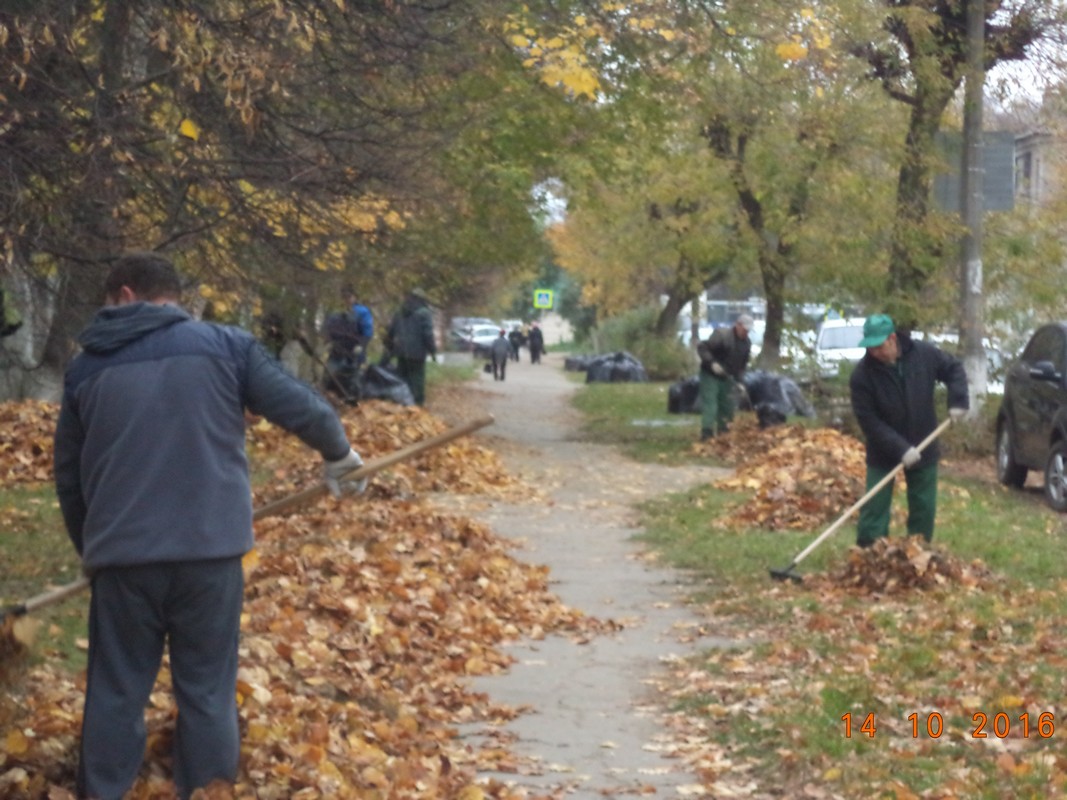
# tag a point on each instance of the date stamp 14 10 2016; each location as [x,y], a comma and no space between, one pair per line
[931,725]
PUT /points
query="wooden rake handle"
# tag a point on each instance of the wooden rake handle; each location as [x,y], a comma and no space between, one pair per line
[275,508]
[871,493]
[370,467]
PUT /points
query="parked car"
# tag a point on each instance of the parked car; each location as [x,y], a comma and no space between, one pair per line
[466,323]
[1032,420]
[476,339]
[837,343]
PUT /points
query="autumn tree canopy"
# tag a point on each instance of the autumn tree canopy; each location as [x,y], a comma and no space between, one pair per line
[920,60]
[264,145]
[786,99]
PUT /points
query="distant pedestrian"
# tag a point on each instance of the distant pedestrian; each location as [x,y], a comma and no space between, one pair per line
[410,339]
[364,324]
[152,479]
[892,391]
[536,343]
[723,359]
[500,351]
[515,338]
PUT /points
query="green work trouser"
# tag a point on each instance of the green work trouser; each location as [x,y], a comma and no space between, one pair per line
[413,372]
[922,504]
[716,403]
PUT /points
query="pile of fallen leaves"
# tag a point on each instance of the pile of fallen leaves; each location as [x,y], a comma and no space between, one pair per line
[26,431]
[377,428]
[799,477]
[363,622]
[901,564]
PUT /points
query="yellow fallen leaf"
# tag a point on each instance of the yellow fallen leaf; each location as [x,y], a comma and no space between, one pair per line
[25,629]
[1010,701]
[16,743]
[189,129]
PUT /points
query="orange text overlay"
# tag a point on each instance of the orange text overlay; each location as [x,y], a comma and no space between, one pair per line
[983,725]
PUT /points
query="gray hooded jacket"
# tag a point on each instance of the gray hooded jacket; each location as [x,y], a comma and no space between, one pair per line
[150,461]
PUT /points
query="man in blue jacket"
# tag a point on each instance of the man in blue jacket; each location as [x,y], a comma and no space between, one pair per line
[153,483]
[892,389]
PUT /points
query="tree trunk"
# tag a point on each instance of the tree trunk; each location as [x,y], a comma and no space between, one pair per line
[96,238]
[972,302]
[667,321]
[915,253]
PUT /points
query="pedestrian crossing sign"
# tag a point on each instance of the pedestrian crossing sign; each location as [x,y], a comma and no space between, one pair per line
[543,298]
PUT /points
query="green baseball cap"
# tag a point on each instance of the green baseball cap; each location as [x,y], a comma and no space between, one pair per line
[876,330]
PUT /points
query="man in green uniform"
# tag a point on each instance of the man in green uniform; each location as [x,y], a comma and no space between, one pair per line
[723,358]
[892,389]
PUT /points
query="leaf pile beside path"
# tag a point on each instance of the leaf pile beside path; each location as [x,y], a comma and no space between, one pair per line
[799,477]
[364,620]
[902,564]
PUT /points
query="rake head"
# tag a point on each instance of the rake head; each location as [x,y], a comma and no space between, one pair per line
[786,574]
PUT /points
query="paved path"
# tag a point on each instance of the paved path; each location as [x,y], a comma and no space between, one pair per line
[595,727]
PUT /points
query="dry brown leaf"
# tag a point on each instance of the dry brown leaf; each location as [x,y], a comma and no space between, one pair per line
[363,619]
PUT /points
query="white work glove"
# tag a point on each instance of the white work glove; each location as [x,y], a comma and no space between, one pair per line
[957,414]
[911,457]
[716,369]
[336,470]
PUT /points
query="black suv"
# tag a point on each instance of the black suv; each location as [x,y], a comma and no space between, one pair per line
[1032,421]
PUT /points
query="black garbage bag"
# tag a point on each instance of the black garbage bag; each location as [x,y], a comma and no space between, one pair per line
[683,397]
[577,363]
[381,383]
[775,397]
[618,367]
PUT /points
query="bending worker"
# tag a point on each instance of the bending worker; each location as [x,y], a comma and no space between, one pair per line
[723,358]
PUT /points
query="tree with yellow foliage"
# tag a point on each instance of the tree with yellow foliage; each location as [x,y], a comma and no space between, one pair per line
[272,147]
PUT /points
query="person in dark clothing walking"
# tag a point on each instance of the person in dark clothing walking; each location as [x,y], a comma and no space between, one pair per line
[892,390]
[515,338]
[536,343]
[410,339]
[723,358]
[152,480]
[500,351]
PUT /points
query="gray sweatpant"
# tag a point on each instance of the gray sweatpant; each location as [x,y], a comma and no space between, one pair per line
[195,608]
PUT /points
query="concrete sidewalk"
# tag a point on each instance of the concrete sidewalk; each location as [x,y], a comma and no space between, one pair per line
[596,728]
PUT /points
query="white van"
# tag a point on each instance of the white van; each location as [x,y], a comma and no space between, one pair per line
[837,342]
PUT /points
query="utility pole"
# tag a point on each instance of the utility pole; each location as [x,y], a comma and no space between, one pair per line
[972,300]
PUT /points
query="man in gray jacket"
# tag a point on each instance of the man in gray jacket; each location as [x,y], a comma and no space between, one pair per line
[153,483]
[499,353]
